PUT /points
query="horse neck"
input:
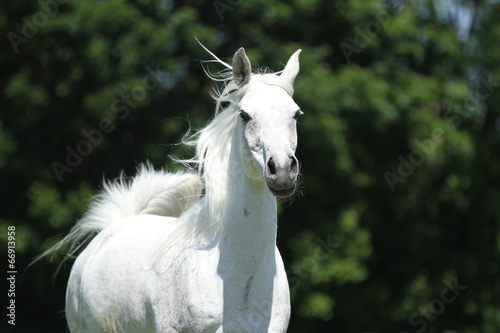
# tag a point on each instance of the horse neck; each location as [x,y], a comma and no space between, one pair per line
[248,232]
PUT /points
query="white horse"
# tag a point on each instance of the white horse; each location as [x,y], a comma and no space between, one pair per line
[166,258]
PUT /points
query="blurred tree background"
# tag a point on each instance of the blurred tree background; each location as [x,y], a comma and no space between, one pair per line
[398,229]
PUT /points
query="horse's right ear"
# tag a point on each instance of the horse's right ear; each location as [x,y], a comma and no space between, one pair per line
[242,69]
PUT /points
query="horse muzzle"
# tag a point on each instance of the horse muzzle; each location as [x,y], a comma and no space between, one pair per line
[281,178]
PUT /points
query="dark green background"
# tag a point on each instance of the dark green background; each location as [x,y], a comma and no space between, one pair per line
[399,144]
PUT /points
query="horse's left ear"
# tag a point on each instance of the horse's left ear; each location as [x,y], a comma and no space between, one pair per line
[242,69]
[292,67]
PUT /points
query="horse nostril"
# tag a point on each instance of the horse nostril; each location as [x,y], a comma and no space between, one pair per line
[271,166]
[294,165]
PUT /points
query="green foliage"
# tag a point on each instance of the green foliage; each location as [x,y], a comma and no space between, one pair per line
[399,143]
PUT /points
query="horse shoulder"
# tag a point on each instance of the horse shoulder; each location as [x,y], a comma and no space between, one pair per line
[197,305]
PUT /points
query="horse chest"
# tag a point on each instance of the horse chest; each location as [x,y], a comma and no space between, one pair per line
[221,297]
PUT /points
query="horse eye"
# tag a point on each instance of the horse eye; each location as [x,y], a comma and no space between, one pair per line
[244,115]
[297,114]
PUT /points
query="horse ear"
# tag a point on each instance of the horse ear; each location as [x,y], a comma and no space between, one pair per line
[242,69]
[292,67]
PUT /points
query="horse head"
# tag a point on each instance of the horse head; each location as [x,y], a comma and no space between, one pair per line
[268,124]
